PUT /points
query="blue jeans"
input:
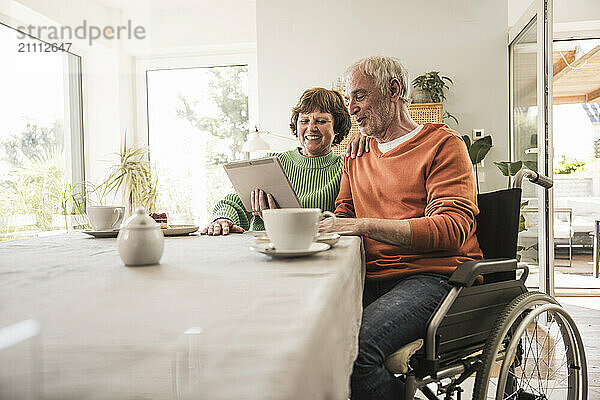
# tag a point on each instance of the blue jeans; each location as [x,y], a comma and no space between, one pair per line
[394,314]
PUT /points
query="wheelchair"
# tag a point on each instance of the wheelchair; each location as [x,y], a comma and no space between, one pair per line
[520,345]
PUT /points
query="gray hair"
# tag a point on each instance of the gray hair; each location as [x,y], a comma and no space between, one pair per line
[383,69]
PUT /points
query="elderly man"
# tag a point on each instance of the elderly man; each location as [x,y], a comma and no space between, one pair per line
[412,197]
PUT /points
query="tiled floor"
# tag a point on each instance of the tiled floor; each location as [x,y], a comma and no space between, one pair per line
[586,312]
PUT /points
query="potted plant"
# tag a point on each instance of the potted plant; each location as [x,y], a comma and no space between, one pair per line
[131,174]
[71,199]
[477,150]
[509,169]
[431,88]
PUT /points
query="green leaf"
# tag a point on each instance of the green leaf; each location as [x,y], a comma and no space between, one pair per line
[435,84]
[532,165]
[479,149]
[502,166]
[514,167]
[522,226]
[467,141]
[509,168]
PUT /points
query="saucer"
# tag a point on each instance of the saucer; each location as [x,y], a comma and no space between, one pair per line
[109,233]
[329,238]
[179,230]
[262,238]
[268,249]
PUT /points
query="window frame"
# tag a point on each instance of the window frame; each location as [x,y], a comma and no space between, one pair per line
[238,55]
[73,105]
[74,82]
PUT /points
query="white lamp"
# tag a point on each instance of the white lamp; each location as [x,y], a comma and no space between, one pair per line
[255,142]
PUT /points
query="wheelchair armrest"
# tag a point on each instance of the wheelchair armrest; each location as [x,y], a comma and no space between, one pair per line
[467,272]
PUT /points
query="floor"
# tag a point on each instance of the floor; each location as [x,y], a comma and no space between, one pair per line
[577,279]
[583,304]
[582,264]
[586,313]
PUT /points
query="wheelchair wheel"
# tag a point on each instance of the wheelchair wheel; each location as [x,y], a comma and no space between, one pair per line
[534,352]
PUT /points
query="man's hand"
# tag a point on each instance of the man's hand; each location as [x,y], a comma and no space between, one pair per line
[221,226]
[357,146]
[391,231]
[261,201]
[349,226]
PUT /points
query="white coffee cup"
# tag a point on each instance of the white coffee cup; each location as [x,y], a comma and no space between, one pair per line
[294,228]
[104,218]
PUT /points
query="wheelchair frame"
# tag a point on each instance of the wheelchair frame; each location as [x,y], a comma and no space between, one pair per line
[491,332]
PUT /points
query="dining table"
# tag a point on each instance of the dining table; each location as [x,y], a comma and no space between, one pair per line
[213,320]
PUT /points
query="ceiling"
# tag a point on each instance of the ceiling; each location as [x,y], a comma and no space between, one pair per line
[576,70]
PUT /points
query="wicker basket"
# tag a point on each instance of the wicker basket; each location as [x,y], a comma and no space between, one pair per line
[427,112]
[420,113]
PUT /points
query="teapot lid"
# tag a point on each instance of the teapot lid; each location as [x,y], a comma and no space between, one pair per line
[140,220]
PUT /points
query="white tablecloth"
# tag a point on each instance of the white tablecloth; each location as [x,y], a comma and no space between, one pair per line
[213,321]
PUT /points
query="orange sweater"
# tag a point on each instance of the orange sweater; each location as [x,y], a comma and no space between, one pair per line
[427,180]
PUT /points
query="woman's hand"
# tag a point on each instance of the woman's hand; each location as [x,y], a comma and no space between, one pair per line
[357,146]
[221,226]
[261,201]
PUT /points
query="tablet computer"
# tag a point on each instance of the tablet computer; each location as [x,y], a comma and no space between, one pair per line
[262,173]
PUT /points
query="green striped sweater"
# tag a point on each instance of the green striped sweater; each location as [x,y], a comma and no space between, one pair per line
[316,181]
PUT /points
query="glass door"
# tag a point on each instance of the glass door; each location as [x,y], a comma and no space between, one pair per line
[530,135]
[576,137]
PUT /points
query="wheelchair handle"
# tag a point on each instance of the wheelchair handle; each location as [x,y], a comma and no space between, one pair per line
[534,177]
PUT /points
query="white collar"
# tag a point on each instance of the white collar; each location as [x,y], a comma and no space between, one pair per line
[387,146]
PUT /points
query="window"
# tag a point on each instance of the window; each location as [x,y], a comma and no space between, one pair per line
[41,138]
[197,120]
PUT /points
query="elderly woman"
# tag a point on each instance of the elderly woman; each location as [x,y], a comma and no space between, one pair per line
[319,120]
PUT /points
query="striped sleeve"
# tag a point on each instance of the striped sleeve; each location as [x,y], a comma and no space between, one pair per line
[316,187]
[232,208]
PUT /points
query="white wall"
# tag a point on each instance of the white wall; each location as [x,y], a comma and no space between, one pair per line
[309,43]
[516,8]
[192,27]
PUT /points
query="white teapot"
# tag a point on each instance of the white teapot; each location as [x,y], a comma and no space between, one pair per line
[140,240]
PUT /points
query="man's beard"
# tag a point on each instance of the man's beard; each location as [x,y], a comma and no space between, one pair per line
[379,122]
